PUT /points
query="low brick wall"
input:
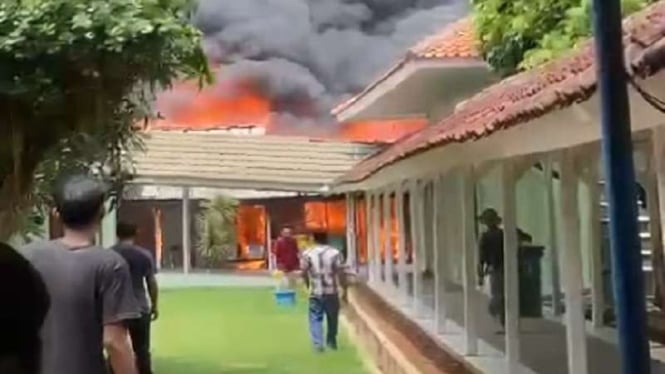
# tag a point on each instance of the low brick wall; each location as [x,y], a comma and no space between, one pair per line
[385,356]
[395,343]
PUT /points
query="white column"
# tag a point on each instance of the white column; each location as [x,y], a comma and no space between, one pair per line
[272,259]
[469,261]
[438,238]
[109,222]
[377,238]
[403,287]
[510,268]
[655,228]
[351,255]
[424,200]
[550,208]
[415,208]
[571,264]
[369,224]
[658,164]
[388,258]
[186,230]
[595,246]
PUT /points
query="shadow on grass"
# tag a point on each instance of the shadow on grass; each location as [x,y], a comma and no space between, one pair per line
[172,365]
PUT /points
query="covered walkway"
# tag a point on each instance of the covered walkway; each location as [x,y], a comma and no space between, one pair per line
[527,147]
[543,340]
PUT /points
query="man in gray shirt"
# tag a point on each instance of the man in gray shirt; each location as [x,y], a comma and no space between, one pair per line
[90,288]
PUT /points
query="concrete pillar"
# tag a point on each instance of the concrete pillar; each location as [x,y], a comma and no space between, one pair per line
[595,245]
[186,230]
[369,217]
[107,230]
[416,210]
[388,259]
[511,277]
[403,287]
[376,209]
[438,238]
[550,208]
[469,262]
[571,264]
[272,259]
[351,258]
[657,206]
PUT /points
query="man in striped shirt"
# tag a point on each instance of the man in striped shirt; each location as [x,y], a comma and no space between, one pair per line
[323,273]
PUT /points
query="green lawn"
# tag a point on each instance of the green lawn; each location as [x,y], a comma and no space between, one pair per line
[239,331]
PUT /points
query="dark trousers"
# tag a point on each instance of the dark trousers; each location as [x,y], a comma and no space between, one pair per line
[320,306]
[139,331]
[497,307]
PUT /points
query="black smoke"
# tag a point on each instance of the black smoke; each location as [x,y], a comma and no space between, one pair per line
[307,55]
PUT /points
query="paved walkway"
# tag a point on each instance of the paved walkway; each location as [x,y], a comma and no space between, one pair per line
[178,280]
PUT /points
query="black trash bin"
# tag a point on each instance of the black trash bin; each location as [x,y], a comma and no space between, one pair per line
[530,281]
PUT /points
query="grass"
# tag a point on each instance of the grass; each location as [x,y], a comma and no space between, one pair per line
[240,331]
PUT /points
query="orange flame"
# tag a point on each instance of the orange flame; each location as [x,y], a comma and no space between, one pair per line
[250,227]
[381,130]
[240,104]
[328,216]
[186,107]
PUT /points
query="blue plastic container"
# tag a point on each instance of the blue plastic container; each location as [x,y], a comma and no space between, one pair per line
[285,297]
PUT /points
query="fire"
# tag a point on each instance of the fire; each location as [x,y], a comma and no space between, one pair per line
[329,216]
[381,130]
[250,228]
[213,107]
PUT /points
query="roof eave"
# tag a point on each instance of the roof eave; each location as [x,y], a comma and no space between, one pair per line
[232,184]
[397,77]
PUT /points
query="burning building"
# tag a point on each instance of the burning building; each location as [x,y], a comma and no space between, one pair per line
[264,132]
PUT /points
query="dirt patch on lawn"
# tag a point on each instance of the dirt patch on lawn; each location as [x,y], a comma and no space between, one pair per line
[423,352]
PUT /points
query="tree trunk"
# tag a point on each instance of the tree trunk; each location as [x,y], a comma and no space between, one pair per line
[10,208]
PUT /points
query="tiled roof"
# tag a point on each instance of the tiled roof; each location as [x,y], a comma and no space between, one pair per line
[531,94]
[453,42]
[258,162]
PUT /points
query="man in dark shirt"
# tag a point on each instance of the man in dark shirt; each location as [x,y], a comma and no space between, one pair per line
[491,259]
[90,288]
[22,317]
[142,270]
[287,255]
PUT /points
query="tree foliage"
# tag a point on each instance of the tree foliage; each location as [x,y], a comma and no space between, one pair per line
[217,230]
[75,76]
[521,34]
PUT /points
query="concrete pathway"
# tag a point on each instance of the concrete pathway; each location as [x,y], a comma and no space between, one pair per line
[178,280]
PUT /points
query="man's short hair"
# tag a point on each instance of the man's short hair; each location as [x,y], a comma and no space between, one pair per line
[320,237]
[79,200]
[125,230]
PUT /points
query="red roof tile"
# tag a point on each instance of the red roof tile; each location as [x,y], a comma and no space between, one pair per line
[531,94]
[453,42]
[457,40]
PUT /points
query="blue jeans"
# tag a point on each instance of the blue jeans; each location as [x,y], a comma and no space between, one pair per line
[319,306]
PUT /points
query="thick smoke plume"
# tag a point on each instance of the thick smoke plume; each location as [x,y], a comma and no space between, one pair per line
[307,55]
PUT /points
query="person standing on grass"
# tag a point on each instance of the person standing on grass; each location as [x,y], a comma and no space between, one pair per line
[22,318]
[142,270]
[323,274]
[90,288]
[287,255]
